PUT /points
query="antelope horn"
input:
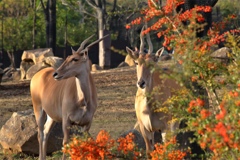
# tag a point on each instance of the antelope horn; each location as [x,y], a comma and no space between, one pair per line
[149,42]
[141,48]
[97,41]
[72,50]
[83,43]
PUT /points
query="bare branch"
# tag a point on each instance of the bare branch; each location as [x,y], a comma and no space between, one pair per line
[43,6]
[65,3]
[80,9]
[92,4]
[155,5]
[84,11]
[174,26]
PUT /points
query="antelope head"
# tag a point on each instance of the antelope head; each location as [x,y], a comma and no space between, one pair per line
[77,63]
[143,61]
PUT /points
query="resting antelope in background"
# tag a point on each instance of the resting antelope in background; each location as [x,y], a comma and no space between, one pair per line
[67,95]
[150,121]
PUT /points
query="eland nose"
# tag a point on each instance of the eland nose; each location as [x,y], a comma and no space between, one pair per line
[55,74]
[141,84]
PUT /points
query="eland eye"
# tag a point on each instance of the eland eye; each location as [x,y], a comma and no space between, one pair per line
[75,59]
[136,63]
[81,54]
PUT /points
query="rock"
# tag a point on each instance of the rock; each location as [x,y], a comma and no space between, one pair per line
[19,134]
[138,139]
[34,69]
[24,66]
[1,74]
[184,139]
[1,71]
[8,71]
[123,64]
[53,61]
[157,134]
[96,67]
[129,60]
[165,57]
[222,54]
[36,55]
[16,75]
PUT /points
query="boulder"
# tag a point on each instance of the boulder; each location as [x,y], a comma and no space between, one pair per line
[138,139]
[19,134]
[34,69]
[96,67]
[123,64]
[8,71]
[37,59]
[24,66]
[1,74]
[36,55]
[185,141]
[165,57]
[129,60]
[53,61]
[222,54]
[16,75]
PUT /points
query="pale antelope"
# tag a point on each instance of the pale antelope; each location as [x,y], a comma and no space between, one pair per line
[150,121]
[67,95]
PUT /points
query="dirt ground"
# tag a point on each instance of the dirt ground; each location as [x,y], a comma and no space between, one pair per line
[116,91]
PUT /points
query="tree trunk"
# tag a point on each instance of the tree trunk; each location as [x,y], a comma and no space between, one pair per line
[47,25]
[12,59]
[65,38]
[50,19]
[34,25]
[189,4]
[104,50]
[105,44]
[52,24]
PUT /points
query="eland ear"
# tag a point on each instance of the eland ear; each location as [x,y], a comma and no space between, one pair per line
[159,52]
[133,54]
[129,51]
[73,51]
[136,49]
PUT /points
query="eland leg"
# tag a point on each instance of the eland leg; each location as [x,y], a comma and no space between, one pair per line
[47,129]
[65,128]
[40,116]
[149,140]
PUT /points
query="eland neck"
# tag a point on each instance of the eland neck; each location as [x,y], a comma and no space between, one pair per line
[83,87]
[150,85]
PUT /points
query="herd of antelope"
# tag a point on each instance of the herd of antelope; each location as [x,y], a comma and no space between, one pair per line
[69,95]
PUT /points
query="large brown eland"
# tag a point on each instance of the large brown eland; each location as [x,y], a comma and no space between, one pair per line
[153,88]
[67,95]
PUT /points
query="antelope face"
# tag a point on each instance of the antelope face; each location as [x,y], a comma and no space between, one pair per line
[143,62]
[73,66]
[144,71]
[77,64]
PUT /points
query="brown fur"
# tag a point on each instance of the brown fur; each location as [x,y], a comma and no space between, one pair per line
[150,121]
[72,98]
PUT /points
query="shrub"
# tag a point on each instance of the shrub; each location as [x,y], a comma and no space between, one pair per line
[216,124]
[103,147]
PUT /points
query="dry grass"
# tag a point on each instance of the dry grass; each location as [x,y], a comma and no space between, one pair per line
[115,114]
